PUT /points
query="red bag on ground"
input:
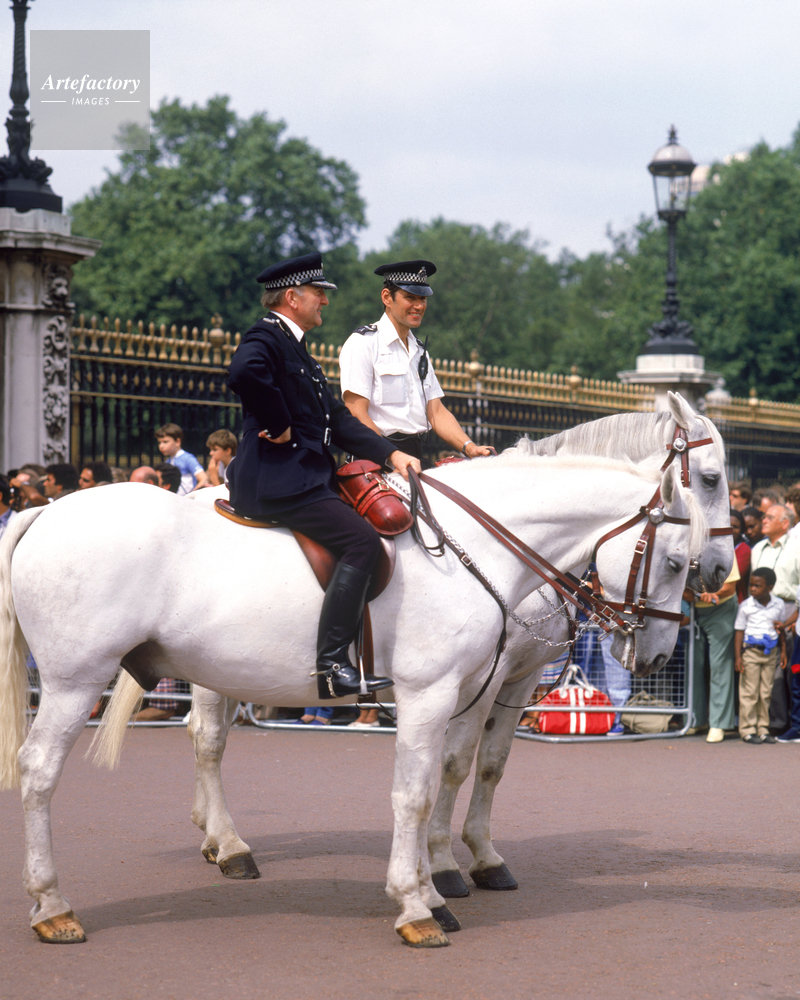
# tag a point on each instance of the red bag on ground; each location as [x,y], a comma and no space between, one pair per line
[575,692]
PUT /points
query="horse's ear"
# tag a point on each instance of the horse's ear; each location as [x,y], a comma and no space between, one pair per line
[683,413]
[669,485]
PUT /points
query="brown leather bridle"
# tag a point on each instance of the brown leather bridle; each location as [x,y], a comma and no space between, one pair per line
[681,446]
[603,613]
[643,550]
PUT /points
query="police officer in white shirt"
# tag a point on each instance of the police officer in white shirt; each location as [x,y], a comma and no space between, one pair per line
[386,377]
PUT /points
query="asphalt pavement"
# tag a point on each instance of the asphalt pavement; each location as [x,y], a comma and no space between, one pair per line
[666,868]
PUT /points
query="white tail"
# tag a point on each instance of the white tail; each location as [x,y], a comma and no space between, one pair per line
[13,656]
[110,735]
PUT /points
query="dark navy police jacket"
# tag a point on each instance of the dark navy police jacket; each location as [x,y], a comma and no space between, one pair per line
[280,385]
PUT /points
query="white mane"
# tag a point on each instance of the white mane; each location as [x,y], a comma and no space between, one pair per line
[647,468]
[520,457]
[622,435]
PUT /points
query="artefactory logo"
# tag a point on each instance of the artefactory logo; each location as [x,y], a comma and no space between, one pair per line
[90,90]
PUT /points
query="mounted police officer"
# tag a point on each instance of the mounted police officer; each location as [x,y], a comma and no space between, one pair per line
[283,469]
[387,381]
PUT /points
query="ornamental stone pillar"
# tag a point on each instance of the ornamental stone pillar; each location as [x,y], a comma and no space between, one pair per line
[37,253]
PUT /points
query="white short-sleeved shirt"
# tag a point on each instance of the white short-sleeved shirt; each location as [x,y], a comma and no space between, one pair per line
[756,619]
[377,366]
[188,466]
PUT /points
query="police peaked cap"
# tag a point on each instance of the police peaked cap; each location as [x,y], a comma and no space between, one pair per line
[410,275]
[297,271]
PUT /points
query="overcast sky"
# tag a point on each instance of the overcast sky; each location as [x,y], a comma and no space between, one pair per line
[543,114]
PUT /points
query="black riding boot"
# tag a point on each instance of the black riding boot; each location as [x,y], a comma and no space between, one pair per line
[338,623]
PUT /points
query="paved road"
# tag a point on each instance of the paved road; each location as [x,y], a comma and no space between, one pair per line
[648,870]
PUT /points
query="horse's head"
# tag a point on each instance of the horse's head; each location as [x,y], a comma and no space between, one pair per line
[648,643]
[709,484]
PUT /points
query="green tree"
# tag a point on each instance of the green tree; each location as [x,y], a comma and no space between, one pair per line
[188,224]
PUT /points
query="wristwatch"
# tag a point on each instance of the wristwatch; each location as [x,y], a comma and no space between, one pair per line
[464,447]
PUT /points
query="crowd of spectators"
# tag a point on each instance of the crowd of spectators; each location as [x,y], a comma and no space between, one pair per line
[746,661]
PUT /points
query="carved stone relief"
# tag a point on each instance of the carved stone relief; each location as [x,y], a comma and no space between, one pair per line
[55,363]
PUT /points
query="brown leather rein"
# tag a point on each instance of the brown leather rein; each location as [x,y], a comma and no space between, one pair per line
[603,613]
[599,611]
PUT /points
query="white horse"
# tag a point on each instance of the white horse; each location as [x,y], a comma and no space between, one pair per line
[490,725]
[136,557]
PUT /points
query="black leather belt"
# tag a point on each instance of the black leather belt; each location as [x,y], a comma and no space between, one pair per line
[411,444]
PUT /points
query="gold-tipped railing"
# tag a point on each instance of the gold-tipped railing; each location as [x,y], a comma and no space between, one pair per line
[212,348]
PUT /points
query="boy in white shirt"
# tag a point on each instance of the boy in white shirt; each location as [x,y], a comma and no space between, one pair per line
[756,644]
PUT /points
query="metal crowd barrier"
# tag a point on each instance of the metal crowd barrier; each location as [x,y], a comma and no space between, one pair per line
[179,719]
[672,685]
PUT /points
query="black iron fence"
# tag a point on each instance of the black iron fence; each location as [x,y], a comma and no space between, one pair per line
[127,379]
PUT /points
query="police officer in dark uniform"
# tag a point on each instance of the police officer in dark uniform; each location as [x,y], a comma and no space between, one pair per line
[283,469]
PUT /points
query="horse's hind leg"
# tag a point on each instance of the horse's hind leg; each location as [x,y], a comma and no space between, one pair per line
[209,723]
[59,722]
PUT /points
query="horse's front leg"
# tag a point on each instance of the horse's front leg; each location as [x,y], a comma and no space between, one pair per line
[59,721]
[209,723]
[459,750]
[421,721]
[488,869]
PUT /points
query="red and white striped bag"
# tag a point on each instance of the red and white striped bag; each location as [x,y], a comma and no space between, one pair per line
[575,692]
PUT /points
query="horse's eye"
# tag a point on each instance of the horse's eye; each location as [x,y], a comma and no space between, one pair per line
[710,482]
[676,565]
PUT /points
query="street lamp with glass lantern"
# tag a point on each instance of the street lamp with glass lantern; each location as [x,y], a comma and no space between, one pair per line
[671,168]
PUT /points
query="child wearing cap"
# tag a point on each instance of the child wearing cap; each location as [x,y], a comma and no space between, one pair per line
[757,643]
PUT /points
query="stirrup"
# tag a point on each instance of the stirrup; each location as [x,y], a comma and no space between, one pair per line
[343,681]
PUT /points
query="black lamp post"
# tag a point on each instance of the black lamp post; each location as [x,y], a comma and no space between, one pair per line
[671,168]
[23,181]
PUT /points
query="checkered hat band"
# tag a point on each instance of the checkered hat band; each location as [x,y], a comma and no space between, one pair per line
[301,278]
[406,278]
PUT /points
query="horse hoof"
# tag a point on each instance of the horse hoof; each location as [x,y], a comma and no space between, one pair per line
[498,878]
[446,919]
[65,928]
[423,934]
[241,866]
[210,854]
[450,884]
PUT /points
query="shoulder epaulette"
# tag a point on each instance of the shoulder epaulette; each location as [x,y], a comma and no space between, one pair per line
[369,328]
[274,320]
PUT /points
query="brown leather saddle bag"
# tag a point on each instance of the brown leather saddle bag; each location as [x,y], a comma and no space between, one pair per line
[361,485]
